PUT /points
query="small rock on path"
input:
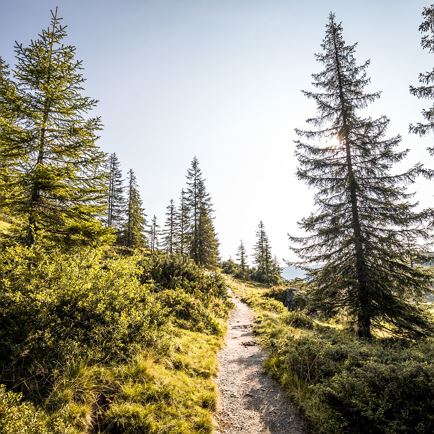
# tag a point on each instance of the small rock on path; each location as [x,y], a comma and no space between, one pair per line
[250,402]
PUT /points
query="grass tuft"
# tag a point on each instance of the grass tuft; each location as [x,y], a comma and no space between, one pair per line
[344,384]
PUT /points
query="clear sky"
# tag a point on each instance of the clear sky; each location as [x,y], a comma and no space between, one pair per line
[221,79]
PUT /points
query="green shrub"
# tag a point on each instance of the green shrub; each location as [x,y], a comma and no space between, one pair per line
[298,319]
[361,387]
[188,312]
[176,271]
[61,306]
[17,417]
[380,397]
[344,384]
[230,267]
[204,292]
[100,341]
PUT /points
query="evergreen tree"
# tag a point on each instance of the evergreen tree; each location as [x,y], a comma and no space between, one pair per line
[208,243]
[133,234]
[364,216]
[182,226]
[265,267]
[203,244]
[61,175]
[11,136]
[426,80]
[276,270]
[154,231]
[242,260]
[116,205]
[169,232]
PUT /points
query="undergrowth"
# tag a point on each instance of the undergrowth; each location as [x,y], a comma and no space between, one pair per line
[95,341]
[344,384]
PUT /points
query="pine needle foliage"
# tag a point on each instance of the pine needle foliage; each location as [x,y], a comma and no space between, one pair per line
[425,90]
[182,226]
[359,232]
[133,233]
[267,269]
[116,206]
[59,177]
[169,231]
[153,235]
[242,261]
[208,243]
[202,239]
[11,136]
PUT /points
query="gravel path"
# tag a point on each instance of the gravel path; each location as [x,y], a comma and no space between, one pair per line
[250,401]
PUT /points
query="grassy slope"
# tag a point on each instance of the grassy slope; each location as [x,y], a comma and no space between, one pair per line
[165,393]
[165,387]
[343,384]
[170,393]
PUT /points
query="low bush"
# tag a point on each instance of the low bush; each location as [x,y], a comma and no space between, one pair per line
[57,307]
[344,384]
[17,417]
[298,319]
[176,271]
[188,312]
[195,297]
[103,342]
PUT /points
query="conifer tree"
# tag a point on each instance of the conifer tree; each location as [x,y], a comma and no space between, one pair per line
[133,234]
[265,267]
[276,270]
[426,80]
[116,206]
[208,244]
[11,136]
[182,226]
[61,177]
[242,260]
[169,232]
[364,216]
[153,235]
[203,244]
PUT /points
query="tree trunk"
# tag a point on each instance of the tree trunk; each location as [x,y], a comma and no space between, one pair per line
[364,318]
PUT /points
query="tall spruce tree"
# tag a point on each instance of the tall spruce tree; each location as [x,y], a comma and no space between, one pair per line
[242,260]
[153,235]
[133,234]
[116,205]
[61,174]
[208,244]
[266,267]
[359,233]
[426,88]
[203,243]
[169,232]
[259,249]
[182,226]
[12,136]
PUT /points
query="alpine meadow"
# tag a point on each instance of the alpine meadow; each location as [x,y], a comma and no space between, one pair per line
[143,283]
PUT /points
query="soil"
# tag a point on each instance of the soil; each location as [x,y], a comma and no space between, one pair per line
[250,402]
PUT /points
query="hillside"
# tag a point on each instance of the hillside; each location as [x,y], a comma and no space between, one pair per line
[128,346]
[343,384]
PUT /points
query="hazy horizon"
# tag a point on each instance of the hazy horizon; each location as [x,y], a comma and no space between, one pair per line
[222,80]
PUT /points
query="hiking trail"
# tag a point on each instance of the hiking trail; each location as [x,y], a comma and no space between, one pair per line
[250,402]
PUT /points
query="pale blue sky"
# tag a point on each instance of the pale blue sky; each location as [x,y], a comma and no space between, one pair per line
[222,80]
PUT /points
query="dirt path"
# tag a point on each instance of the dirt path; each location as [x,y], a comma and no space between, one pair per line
[250,401]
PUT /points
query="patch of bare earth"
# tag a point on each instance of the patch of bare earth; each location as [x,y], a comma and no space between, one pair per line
[250,401]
